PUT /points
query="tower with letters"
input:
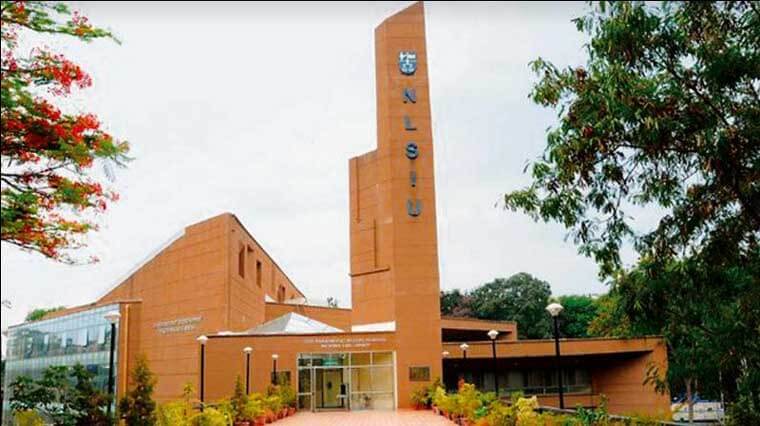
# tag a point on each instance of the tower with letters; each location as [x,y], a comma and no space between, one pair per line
[394,247]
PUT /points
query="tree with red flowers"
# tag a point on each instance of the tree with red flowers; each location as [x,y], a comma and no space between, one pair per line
[50,194]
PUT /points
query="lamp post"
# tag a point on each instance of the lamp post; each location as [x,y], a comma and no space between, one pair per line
[113,318]
[274,368]
[464,347]
[202,340]
[554,310]
[493,334]
[247,350]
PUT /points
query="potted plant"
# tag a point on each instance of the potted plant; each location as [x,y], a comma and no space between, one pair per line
[420,398]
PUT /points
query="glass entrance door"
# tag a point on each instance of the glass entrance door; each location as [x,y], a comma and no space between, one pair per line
[346,380]
[330,388]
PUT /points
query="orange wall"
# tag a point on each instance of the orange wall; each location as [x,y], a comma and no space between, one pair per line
[226,360]
[507,329]
[336,317]
[394,255]
[622,383]
[196,276]
[620,377]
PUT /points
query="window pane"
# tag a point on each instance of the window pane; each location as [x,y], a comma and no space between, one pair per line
[360,380]
[384,358]
[361,358]
[304,380]
[382,379]
[304,402]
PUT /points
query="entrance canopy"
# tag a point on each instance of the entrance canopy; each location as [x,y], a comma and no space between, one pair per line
[293,323]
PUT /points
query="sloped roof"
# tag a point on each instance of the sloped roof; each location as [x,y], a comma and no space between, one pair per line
[293,323]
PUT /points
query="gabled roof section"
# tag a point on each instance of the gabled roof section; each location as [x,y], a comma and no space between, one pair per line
[239,222]
[293,323]
[153,253]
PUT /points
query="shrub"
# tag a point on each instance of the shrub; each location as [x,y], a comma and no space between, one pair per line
[596,417]
[210,417]
[468,401]
[254,408]
[238,402]
[419,397]
[177,413]
[439,395]
[28,418]
[526,411]
[172,414]
[501,415]
[273,403]
[287,395]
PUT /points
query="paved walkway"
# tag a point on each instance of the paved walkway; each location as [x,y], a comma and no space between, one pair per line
[366,418]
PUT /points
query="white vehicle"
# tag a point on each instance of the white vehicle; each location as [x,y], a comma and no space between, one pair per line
[704,411]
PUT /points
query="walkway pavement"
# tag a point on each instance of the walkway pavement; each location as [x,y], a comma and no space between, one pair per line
[366,418]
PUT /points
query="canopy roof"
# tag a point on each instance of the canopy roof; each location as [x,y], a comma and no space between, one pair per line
[293,323]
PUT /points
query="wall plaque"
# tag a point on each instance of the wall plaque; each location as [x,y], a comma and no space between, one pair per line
[179,325]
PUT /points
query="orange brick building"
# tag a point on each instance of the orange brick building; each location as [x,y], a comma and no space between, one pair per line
[215,279]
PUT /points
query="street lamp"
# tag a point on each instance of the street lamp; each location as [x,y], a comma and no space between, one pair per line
[202,340]
[493,334]
[247,350]
[274,368]
[554,310]
[464,347]
[113,318]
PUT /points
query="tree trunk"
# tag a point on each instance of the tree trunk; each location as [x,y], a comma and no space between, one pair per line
[690,401]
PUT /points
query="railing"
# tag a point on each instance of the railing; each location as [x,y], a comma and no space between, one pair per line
[547,390]
[542,409]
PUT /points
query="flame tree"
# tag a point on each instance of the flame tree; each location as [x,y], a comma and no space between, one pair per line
[50,194]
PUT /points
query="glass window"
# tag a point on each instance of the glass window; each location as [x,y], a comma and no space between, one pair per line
[419,374]
[75,338]
[382,379]
[360,358]
[360,380]
[330,360]
[304,380]
[382,358]
[304,402]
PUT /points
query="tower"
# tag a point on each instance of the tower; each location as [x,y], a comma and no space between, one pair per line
[394,247]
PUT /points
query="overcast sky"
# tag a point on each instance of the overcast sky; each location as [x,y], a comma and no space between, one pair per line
[255,109]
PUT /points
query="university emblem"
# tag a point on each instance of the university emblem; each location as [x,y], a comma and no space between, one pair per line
[407,62]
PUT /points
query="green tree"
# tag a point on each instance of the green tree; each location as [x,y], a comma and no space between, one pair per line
[455,303]
[664,116]
[520,298]
[610,320]
[63,396]
[87,400]
[39,313]
[577,314]
[137,407]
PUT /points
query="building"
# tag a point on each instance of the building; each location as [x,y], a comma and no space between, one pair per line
[215,279]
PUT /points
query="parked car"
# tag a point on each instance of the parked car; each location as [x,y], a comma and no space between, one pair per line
[704,410]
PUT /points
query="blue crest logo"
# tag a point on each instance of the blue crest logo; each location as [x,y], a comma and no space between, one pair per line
[407,62]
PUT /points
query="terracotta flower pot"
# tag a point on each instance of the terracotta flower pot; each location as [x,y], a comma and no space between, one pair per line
[291,410]
[260,421]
